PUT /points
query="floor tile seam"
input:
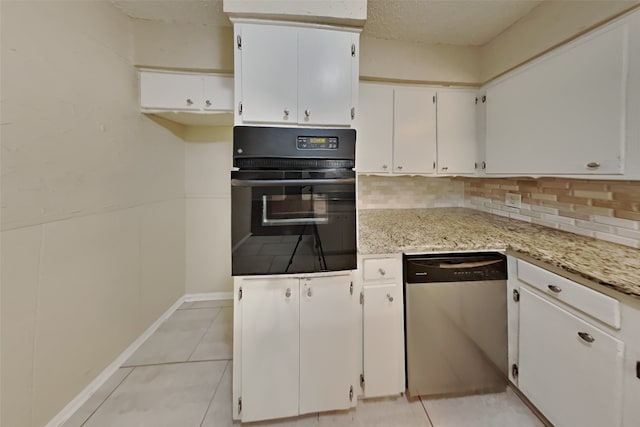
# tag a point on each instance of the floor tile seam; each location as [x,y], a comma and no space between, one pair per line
[215,391]
[424,408]
[203,334]
[205,308]
[177,362]
[131,369]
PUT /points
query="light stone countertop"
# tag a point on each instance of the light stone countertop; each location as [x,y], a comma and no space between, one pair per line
[386,231]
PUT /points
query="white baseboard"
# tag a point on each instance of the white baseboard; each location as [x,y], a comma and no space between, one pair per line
[106,373]
[208,296]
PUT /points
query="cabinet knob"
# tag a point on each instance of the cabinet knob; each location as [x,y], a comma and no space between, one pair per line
[586,337]
[286,113]
[207,103]
[382,272]
[389,297]
[399,167]
[444,168]
[288,293]
[309,293]
[384,166]
[593,165]
[307,113]
[189,101]
[554,288]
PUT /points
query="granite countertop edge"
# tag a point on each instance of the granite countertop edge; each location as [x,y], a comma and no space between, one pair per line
[386,231]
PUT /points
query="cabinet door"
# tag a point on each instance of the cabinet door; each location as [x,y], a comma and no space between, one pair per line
[374,124]
[414,132]
[563,112]
[269,74]
[170,91]
[270,348]
[572,382]
[218,93]
[383,340]
[328,353]
[324,77]
[456,132]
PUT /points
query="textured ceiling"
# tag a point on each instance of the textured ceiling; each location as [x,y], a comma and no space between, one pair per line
[459,22]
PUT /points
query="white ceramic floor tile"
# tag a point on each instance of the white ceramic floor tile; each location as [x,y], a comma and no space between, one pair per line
[208,304]
[97,398]
[486,410]
[386,412]
[173,395]
[176,339]
[217,343]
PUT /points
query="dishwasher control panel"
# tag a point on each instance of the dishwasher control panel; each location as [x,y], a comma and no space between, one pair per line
[455,267]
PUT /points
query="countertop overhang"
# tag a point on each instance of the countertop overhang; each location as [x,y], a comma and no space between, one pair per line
[386,231]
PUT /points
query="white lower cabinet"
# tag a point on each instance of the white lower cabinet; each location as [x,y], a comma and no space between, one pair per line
[569,369]
[295,346]
[383,327]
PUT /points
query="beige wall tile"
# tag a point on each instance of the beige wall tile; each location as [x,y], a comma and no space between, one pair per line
[20,260]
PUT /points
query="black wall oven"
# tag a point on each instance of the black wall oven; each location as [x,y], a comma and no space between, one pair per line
[293,200]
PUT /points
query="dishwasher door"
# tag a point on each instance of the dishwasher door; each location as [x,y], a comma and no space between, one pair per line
[456,332]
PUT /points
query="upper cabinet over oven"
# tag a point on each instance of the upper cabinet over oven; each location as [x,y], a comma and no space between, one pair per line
[292,74]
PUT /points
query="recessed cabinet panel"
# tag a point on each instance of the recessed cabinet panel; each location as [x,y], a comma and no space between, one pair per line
[328,352]
[270,349]
[564,114]
[414,148]
[571,370]
[170,91]
[456,132]
[324,76]
[374,123]
[269,73]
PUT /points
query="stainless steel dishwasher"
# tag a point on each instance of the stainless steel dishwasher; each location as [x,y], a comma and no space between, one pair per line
[456,323]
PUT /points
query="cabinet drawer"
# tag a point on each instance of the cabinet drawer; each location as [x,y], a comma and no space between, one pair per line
[382,269]
[590,302]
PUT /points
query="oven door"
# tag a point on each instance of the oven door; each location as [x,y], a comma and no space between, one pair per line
[292,221]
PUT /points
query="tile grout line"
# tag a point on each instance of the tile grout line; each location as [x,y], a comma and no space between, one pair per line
[109,395]
[204,333]
[178,362]
[426,412]
[204,417]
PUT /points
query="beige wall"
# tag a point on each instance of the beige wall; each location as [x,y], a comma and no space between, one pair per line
[208,161]
[92,204]
[550,23]
[400,60]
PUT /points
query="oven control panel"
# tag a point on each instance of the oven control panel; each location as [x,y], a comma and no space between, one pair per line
[317,143]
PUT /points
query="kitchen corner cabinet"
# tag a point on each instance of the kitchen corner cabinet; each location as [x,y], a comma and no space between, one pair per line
[563,114]
[295,75]
[295,346]
[383,326]
[416,130]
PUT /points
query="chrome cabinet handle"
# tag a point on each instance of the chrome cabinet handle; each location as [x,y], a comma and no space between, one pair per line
[207,103]
[444,168]
[593,165]
[554,288]
[286,112]
[382,272]
[189,101]
[389,297]
[309,292]
[384,166]
[288,293]
[586,337]
[399,167]
[307,113]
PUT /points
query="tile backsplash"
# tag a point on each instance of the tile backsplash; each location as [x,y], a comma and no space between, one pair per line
[607,210]
[406,192]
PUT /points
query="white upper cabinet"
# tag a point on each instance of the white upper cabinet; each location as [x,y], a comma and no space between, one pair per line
[295,75]
[457,137]
[414,132]
[170,91]
[564,113]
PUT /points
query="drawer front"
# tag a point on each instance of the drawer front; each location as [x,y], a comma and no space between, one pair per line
[597,305]
[382,269]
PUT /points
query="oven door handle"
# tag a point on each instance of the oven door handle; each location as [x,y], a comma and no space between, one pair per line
[289,182]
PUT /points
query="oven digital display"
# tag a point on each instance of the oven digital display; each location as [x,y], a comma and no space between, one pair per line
[317,143]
